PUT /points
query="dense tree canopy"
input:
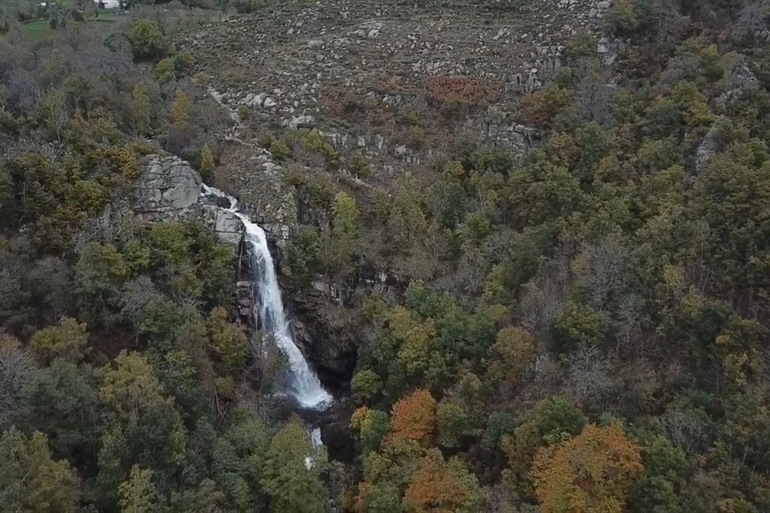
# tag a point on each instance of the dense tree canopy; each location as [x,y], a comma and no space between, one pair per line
[578,327]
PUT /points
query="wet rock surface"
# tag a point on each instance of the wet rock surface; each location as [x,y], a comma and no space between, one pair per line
[325,334]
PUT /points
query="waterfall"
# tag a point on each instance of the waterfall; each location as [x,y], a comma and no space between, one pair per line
[315,441]
[303,384]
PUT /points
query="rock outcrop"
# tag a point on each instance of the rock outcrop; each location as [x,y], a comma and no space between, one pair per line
[266,197]
[706,149]
[168,190]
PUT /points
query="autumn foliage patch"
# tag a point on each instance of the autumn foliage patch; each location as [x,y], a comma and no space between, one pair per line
[459,89]
[413,417]
[339,103]
[591,472]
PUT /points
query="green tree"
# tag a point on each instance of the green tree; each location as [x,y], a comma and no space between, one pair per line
[137,493]
[16,368]
[238,457]
[371,425]
[381,497]
[68,340]
[61,401]
[514,353]
[204,498]
[207,161]
[291,480]
[454,421]
[229,345]
[365,384]
[345,214]
[30,480]
[162,320]
[340,246]
[548,422]
[131,387]
[145,428]
[147,41]
[303,256]
[576,324]
[140,108]
[99,273]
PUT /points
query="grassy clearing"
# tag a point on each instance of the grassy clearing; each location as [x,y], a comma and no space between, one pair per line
[38,30]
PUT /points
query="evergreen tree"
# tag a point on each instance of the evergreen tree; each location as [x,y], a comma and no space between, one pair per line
[292,472]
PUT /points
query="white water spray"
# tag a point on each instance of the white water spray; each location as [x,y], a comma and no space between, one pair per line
[303,385]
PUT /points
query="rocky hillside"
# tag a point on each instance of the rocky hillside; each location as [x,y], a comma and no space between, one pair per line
[393,81]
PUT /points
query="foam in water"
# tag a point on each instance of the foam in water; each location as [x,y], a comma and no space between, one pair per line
[304,385]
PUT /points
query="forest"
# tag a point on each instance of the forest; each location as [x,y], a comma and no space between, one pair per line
[580,328]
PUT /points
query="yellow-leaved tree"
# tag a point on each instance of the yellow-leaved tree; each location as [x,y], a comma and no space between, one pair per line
[590,473]
[180,109]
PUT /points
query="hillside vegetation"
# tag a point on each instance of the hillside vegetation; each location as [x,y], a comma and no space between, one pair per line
[555,282]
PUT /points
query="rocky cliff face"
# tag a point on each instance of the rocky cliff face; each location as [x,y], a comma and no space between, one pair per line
[326,335]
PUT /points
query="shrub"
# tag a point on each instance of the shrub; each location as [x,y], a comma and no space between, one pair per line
[321,191]
[309,143]
[295,175]
[339,103]
[623,16]
[458,90]
[243,113]
[408,115]
[173,68]
[279,150]
[359,165]
[415,138]
[265,138]
[540,108]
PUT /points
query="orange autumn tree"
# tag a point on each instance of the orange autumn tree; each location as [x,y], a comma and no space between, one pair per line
[413,417]
[589,473]
[438,486]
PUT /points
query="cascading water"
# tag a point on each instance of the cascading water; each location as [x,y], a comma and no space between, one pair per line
[303,384]
[315,441]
